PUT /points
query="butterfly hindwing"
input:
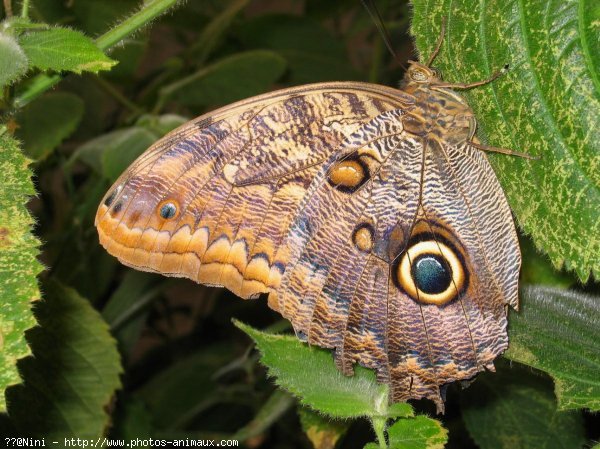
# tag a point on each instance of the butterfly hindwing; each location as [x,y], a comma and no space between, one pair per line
[357,302]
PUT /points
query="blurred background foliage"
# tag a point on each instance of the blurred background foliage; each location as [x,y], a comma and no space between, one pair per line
[187,371]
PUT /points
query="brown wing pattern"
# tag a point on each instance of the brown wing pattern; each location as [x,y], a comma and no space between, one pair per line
[337,199]
[234,179]
[357,302]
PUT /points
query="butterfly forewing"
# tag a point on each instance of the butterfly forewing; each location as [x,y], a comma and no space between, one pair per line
[235,179]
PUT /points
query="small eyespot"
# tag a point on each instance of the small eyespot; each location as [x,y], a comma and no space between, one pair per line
[362,237]
[168,210]
[431,272]
[348,175]
[117,207]
[110,198]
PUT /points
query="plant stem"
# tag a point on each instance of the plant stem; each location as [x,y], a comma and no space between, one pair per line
[110,89]
[25,9]
[133,23]
[380,419]
[379,428]
[37,87]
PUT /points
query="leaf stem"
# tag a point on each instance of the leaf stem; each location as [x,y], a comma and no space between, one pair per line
[117,95]
[25,9]
[379,423]
[37,87]
[148,12]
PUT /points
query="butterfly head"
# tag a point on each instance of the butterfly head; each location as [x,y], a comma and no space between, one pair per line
[418,73]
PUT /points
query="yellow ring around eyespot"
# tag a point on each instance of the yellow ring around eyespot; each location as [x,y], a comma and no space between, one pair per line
[437,248]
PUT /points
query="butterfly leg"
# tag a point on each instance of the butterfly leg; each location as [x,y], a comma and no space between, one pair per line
[494,76]
[491,149]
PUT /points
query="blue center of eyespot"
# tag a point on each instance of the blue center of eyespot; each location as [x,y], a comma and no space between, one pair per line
[431,274]
[168,210]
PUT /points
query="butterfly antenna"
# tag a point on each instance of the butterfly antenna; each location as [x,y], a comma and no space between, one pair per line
[438,45]
[371,8]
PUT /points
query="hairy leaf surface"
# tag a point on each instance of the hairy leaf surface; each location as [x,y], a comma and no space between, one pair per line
[64,49]
[73,376]
[557,331]
[547,105]
[18,261]
[515,408]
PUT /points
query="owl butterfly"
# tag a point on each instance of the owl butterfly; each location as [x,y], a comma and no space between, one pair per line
[369,215]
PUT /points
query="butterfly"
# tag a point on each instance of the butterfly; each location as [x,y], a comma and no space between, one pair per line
[368,214]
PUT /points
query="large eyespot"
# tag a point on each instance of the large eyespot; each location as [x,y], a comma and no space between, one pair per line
[167,210]
[431,272]
[348,175]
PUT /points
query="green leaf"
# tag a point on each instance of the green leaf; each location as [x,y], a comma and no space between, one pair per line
[44,123]
[322,432]
[161,124]
[127,308]
[516,409]
[111,153]
[170,399]
[271,411]
[213,32]
[64,49]
[546,105]
[557,331]
[124,148]
[229,79]
[128,56]
[95,16]
[400,410]
[417,433]
[537,268]
[311,375]
[72,378]
[134,421]
[18,261]
[311,52]
[13,62]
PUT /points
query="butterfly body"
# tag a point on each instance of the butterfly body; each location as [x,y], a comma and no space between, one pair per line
[363,211]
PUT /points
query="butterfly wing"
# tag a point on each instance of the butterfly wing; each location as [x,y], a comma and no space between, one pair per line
[213,200]
[322,197]
[351,282]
